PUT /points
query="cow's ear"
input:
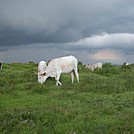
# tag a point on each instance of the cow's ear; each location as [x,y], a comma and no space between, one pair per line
[44,74]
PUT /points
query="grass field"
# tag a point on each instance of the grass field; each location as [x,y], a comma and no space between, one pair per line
[101,103]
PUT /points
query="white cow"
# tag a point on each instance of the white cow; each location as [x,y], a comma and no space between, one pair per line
[41,69]
[0,65]
[94,66]
[57,66]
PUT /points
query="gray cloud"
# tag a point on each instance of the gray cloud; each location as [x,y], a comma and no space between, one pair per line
[28,21]
[72,26]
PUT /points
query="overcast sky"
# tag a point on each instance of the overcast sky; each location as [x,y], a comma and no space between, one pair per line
[91,30]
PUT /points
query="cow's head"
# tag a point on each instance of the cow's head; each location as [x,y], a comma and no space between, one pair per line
[42,77]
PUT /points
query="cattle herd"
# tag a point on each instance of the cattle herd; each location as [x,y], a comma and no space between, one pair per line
[57,66]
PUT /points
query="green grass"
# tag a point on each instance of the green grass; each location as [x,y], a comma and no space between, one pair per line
[101,103]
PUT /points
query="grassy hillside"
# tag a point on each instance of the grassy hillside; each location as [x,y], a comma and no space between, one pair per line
[102,103]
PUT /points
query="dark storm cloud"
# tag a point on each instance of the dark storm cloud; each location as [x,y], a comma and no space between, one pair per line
[90,29]
[29,21]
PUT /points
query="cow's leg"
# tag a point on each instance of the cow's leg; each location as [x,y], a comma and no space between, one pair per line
[57,79]
[58,82]
[72,75]
[76,74]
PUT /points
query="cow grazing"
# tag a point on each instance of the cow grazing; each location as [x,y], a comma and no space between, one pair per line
[94,66]
[0,65]
[57,66]
[41,69]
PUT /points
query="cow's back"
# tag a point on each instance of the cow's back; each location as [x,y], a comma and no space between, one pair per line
[64,64]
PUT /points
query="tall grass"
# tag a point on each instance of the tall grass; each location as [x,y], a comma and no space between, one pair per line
[101,103]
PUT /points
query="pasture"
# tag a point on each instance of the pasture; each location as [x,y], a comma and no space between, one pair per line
[101,103]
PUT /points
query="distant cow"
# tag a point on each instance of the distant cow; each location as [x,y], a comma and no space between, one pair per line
[0,65]
[126,63]
[57,66]
[94,66]
[41,69]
